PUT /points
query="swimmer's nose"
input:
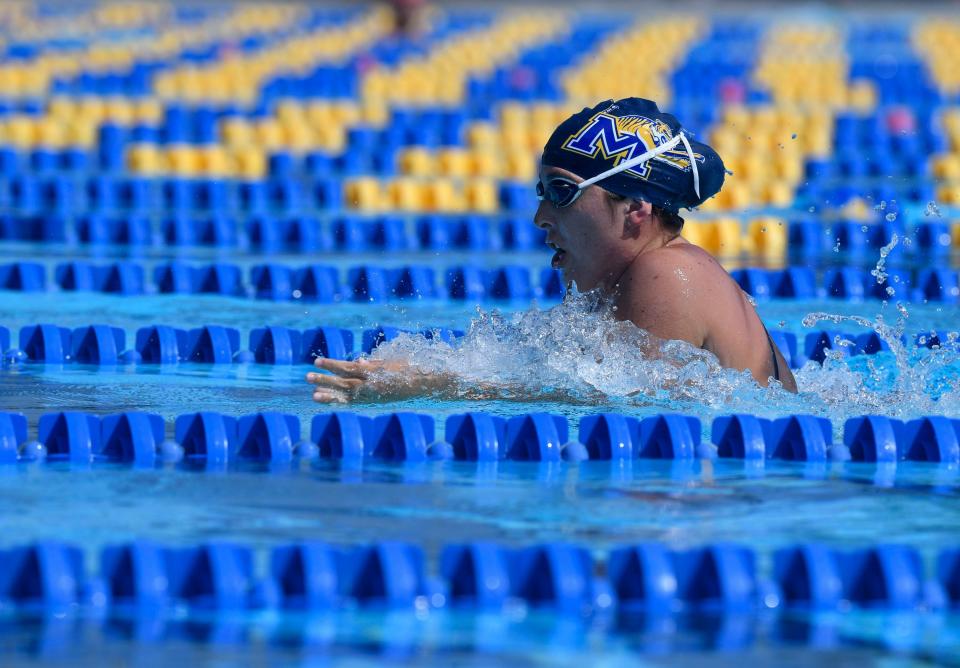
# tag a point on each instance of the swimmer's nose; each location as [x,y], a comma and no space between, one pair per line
[540,220]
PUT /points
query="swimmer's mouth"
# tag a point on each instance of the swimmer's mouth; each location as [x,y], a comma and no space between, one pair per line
[558,256]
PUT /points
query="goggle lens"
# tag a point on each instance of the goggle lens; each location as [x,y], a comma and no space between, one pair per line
[558,191]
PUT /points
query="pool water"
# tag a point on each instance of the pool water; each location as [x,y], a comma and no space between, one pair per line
[598,504]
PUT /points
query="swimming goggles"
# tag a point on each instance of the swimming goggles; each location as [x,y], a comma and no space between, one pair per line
[562,191]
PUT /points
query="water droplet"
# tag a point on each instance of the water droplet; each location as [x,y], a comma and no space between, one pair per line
[932,210]
[890,217]
[812,209]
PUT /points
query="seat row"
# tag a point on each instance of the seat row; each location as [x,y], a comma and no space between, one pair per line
[212,344]
[144,194]
[319,283]
[215,440]
[287,233]
[145,578]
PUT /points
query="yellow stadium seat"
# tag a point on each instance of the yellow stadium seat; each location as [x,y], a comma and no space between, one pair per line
[520,166]
[364,194]
[724,235]
[407,194]
[485,163]
[214,161]
[947,167]
[250,163]
[948,194]
[695,231]
[183,159]
[443,195]
[778,194]
[21,131]
[735,195]
[453,162]
[481,195]
[955,233]
[767,236]
[50,133]
[482,134]
[145,159]
[417,161]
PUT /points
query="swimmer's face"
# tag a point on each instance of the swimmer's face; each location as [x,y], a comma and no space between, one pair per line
[587,235]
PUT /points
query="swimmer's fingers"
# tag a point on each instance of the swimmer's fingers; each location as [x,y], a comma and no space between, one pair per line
[325,396]
[334,382]
[359,369]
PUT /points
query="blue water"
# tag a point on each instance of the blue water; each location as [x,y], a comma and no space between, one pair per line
[436,503]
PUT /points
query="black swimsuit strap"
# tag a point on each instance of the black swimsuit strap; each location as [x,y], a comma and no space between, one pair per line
[773,355]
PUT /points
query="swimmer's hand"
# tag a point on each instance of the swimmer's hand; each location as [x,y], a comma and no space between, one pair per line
[371,379]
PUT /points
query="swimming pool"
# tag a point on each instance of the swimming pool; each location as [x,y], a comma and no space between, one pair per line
[197,199]
[682,504]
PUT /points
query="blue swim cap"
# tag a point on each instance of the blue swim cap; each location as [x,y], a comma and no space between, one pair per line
[598,139]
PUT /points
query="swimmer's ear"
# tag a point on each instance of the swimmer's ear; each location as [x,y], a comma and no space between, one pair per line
[639,213]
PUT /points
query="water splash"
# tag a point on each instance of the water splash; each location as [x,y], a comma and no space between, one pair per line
[578,352]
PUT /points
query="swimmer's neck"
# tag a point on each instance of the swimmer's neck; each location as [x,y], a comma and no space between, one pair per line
[614,282]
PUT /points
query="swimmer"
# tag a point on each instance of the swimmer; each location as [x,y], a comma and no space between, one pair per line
[613,179]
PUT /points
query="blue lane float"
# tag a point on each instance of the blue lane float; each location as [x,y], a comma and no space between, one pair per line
[267,437]
[217,576]
[13,432]
[46,343]
[306,575]
[873,438]
[476,574]
[477,437]
[387,574]
[212,344]
[161,344]
[134,437]
[206,437]
[23,277]
[144,578]
[555,575]
[808,576]
[643,577]
[332,342]
[46,575]
[536,437]
[97,344]
[716,577]
[341,435]
[370,283]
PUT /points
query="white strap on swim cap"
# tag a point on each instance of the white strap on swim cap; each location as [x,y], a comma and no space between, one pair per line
[644,157]
[633,162]
[693,163]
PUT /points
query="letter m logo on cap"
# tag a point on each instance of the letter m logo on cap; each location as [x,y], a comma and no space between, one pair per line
[619,138]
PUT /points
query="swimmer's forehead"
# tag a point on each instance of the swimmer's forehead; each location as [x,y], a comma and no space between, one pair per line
[550,170]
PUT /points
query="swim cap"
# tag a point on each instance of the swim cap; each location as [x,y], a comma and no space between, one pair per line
[596,140]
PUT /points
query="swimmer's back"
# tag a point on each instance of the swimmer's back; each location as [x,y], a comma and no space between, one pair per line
[681,292]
